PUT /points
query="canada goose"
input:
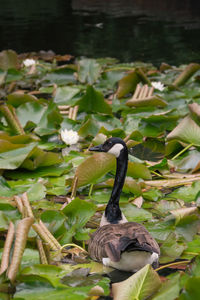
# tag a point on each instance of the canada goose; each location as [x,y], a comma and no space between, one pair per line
[117,243]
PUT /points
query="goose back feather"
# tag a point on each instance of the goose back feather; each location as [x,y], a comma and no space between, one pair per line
[112,240]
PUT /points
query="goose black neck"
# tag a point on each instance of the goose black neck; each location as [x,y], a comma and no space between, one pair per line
[113,213]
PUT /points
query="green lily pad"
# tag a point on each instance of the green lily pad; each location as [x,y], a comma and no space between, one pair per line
[14,158]
[93,101]
[191,289]
[171,249]
[186,193]
[138,170]
[169,289]
[94,167]
[130,186]
[54,171]
[30,112]
[79,210]
[88,70]
[135,214]
[60,76]
[187,131]
[50,120]
[17,99]
[141,285]
[65,95]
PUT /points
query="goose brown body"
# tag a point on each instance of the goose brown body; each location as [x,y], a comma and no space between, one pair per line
[114,239]
[118,243]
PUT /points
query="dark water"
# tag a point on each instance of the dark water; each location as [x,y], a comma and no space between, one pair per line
[147,30]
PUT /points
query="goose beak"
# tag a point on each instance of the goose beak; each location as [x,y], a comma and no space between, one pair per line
[98,148]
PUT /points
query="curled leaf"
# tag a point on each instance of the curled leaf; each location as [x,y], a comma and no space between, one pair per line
[7,248]
[187,131]
[22,230]
[186,74]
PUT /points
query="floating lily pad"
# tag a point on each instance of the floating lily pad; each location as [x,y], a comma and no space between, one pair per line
[14,158]
[65,95]
[88,70]
[141,285]
[93,101]
[187,131]
[94,167]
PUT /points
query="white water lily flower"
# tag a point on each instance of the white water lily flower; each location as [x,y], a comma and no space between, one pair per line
[29,62]
[69,137]
[158,85]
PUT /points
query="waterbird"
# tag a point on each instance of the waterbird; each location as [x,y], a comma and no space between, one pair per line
[117,243]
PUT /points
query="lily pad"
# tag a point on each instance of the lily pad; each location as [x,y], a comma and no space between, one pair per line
[171,249]
[93,101]
[16,99]
[141,285]
[65,95]
[94,167]
[187,131]
[88,70]
[138,170]
[135,214]
[14,158]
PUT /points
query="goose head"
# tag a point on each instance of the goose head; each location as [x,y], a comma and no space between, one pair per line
[114,145]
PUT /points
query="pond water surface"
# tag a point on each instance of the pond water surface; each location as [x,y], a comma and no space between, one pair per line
[146,30]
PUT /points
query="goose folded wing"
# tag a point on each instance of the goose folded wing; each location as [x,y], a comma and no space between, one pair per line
[111,240]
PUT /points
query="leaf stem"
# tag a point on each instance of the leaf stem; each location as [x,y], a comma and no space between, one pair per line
[157,174]
[173,264]
[90,190]
[182,151]
[73,245]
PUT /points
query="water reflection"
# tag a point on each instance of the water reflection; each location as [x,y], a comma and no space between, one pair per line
[147,30]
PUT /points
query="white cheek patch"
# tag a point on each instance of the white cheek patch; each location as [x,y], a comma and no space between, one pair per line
[115,150]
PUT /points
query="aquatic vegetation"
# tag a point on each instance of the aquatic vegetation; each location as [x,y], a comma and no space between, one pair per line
[51,199]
